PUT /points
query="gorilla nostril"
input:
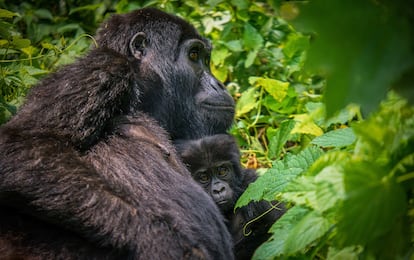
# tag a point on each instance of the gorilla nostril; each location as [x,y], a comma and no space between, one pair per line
[219,190]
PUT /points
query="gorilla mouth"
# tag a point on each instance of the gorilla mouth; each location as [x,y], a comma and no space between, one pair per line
[221,202]
[217,106]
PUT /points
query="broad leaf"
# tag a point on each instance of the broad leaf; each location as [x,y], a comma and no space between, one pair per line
[373,203]
[336,138]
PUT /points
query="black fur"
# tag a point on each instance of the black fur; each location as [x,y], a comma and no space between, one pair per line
[87,171]
[207,153]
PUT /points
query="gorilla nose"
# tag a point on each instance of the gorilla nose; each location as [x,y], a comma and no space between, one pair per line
[218,190]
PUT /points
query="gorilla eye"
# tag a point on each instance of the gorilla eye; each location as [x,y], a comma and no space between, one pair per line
[194,54]
[203,177]
[222,171]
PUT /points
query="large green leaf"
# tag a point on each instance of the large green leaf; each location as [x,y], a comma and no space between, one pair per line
[373,202]
[336,138]
[307,230]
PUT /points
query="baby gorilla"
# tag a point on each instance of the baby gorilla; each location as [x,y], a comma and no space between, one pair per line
[214,162]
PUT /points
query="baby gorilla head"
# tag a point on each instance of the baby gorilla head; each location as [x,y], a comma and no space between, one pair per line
[216,179]
[214,162]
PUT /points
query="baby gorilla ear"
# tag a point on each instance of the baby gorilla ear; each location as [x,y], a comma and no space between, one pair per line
[138,44]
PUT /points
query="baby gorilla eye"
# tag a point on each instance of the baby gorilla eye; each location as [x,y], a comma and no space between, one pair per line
[222,171]
[203,177]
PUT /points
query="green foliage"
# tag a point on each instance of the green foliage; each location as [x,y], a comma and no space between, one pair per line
[359,48]
[347,179]
[353,199]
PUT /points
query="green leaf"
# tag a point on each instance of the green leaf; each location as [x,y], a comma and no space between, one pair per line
[268,185]
[373,203]
[33,71]
[276,88]
[7,14]
[44,14]
[251,56]
[296,43]
[251,38]
[347,253]
[336,138]
[277,178]
[308,229]
[219,55]
[306,125]
[234,46]
[85,8]
[246,102]
[20,43]
[278,137]
[280,230]
[304,159]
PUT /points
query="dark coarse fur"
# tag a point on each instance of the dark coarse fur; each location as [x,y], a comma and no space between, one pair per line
[87,171]
[205,152]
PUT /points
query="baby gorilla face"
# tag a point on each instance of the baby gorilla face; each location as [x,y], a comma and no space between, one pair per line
[216,182]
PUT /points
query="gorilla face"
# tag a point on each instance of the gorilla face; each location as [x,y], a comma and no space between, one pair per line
[174,78]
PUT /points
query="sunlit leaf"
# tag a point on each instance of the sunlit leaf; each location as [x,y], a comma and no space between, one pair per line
[219,55]
[276,88]
[246,102]
[305,125]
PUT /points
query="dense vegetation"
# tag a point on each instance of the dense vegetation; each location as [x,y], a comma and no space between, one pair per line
[323,90]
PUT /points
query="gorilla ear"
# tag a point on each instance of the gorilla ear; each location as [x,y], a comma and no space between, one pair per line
[137,45]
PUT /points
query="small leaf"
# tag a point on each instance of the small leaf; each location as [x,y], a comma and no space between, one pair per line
[246,102]
[251,56]
[336,138]
[306,125]
[220,72]
[278,137]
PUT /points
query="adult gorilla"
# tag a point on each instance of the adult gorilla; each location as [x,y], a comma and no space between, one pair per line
[87,170]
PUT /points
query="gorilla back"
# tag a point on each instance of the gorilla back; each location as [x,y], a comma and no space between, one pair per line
[87,170]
